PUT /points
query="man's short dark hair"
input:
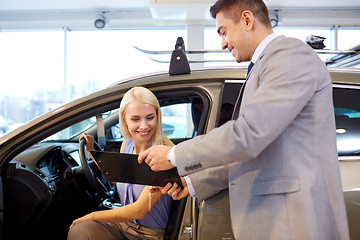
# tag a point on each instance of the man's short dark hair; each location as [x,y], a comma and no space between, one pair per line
[235,8]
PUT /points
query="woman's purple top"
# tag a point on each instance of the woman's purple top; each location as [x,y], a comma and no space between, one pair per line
[159,215]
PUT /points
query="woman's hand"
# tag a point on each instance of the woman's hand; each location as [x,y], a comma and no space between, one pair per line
[175,191]
[154,189]
[89,142]
[87,217]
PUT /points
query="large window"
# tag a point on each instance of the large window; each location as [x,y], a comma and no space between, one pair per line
[40,71]
[96,59]
[348,38]
[32,75]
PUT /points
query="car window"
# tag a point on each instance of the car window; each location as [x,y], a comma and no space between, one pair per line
[178,118]
[176,123]
[75,129]
[230,93]
[347,115]
[78,128]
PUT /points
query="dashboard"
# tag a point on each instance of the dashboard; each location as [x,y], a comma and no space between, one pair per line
[48,160]
[53,162]
[43,177]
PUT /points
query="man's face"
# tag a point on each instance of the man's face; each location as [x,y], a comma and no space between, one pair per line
[234,36]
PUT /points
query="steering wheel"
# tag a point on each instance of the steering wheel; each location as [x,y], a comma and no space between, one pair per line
[94,177]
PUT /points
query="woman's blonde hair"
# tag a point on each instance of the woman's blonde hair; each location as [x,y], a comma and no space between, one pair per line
[143,95]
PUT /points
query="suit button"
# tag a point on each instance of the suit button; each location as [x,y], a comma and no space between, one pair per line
[192,167]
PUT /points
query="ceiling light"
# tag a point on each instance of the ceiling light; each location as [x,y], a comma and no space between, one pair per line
[275,17]
[100,21]
[340,130]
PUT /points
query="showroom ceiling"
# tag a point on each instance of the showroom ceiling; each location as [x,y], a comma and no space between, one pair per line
[26,5]
[15,14]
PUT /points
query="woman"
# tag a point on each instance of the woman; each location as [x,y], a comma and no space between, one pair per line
[144,213]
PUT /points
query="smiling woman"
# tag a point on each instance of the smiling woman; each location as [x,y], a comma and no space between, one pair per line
[142,212]
[141,121]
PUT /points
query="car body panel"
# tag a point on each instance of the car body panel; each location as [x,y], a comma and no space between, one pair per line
[213,208]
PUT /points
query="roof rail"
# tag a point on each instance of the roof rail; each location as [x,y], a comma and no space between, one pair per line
[345,59]
[179,64]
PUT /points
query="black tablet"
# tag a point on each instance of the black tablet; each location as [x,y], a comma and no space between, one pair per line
[123,167]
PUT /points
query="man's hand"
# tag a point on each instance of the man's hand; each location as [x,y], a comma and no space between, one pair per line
[155,157]
[175,191]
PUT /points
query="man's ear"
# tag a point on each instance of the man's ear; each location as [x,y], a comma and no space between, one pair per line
[248,19]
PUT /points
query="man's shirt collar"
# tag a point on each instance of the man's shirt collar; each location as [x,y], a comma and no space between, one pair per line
[260,48]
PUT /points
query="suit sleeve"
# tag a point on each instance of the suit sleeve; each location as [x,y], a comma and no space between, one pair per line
[281,93]
[209,182]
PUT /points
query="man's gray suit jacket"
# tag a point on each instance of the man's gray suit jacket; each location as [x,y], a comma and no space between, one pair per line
[284,180]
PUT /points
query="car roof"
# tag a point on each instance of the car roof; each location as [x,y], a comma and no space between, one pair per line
[197,74]
[345,75]
[338,75]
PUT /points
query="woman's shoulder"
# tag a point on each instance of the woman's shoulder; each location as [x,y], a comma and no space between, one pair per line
[127,145]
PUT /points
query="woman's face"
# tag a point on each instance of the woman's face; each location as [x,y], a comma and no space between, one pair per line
[141,120]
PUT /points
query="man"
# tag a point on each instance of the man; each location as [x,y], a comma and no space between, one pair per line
[284,180]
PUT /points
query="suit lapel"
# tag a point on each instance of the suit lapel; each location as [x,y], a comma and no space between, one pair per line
[240,95]
[241,92]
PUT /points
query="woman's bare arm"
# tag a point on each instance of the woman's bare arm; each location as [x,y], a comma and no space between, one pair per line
[133,211]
